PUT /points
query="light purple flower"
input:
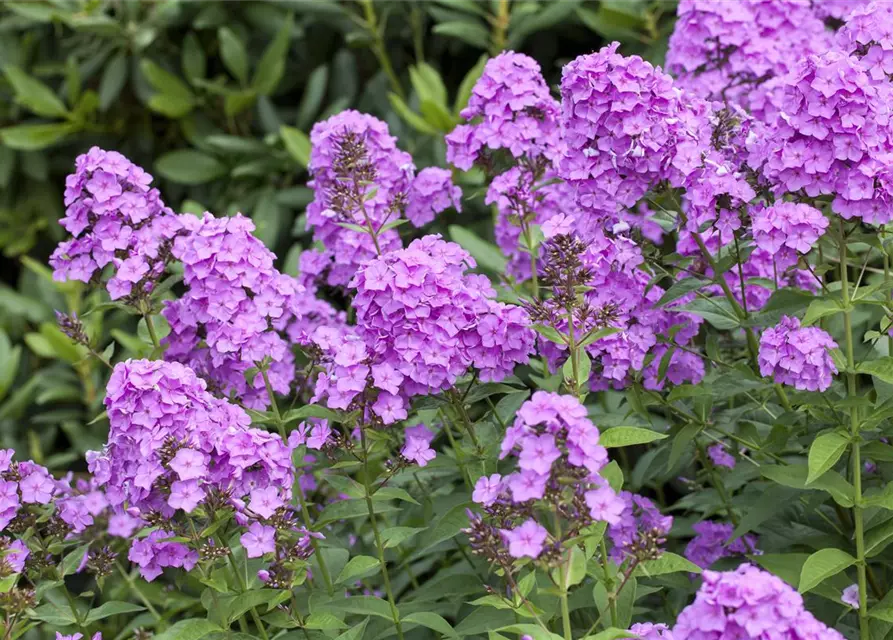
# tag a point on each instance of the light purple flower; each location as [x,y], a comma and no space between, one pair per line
[258,540]
[526,540]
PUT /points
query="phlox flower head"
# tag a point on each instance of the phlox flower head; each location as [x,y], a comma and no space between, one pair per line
[797,356]
[748,603]
[116,219]
[509,108]
[787,230]
[640,530]
[651,631]
[432,192]
[711,543]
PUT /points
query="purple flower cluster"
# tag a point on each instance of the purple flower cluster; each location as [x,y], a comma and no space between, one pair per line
[640,527]
[116,219]
[421,323]
[797,356]
[720,456]
[417,445]
[712,543]
[360,177]
[748,603]
[509,108]
[651,631]
[157,551]
[833,137]
[21,484]
[236,309]
[622,120]
[787,229]
[868,34]
[432,192]
[171,444]
[736,50]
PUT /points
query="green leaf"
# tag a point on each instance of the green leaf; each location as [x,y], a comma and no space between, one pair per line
[193,58]
[33,137]
[312,411]
[354,633]
[882,368]
[794,476]
[114,77]
[611,634]
[165,82]
[233,53]
[447,527]
[764,509]
[413,119]
[877,538]
[819,309]
[471,32]
[188,630]
[628,436]
[468,83]
[358,566]
[822,565]
[534,631]
[666,563]
[112,608]
[393,536]
[824,453]
[487,255]
[296,143]
[428,84]
[189,167]
[272,64]
[34,95]
[362,605]
[681,442]
[54,614]
[73,559]
[431,621]
[393,493]
[344,509]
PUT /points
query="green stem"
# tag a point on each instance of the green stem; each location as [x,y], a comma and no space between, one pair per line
[395,614]
[134,587]
[243,586]
[323,568]
[276,415]
[854,433]
[460,457]
[609,582]
[150,326]
[534,276]
[565,610]
[500,24]
[379,48]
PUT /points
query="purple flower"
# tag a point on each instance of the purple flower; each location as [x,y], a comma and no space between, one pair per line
[797,356]
[721,457]
[527,485]
[432,192]
[264,502]
[185,495]
[14,553]
[153,553]
[604,504]
[38,486]
[258,540]
[850,596]
[712,543]
[189,464]
[748,603]
[640,525]
[651,631]
[417,447]
[538,453]
[787,229]
[526,540]
[487,489]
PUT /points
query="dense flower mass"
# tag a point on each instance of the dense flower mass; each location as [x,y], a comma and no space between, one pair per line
[116,219]
[787,229]
[748,603]
[360,177]
[797,356]
[712,543]
[509,108]
[238,310]
[171,444]
[432,192]
[421,323]
[867,35]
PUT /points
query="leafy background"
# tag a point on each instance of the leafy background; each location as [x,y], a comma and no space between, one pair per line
[216,100]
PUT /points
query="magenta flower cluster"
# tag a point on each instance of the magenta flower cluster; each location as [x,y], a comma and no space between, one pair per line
[510,108]
[421,323]
[639,519]
[116,219]
[431,193]
[787,229]
[797,356]
[748,603]
[712,542]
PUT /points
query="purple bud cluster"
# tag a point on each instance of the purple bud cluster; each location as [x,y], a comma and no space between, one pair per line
[509,108]
[748,603]
[116,219]
[171,443]
[712,543]
[641,529]
[797,356]
[421,323]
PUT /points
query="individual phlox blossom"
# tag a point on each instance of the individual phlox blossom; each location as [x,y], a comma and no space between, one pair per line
[487,489]
[833,138]
[510,108]
[621,122]
[733,50]
[797,356]
[787,229]
[236,308]
[422,322]
[359,176]
[651,631]
[712,543]
[78,636]
[641,530]
[867,33]
[157,409]
[156,551]
[417,445]
[314,434]
[13,554]
[748,603]
[720,457]
[850,596]
[114,217]
[527,540]
[258,540]
[432,192]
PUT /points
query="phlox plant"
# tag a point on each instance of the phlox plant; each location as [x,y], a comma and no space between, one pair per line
[657,407]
